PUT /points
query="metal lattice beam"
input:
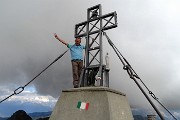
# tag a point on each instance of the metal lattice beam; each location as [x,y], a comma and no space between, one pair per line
[92,29]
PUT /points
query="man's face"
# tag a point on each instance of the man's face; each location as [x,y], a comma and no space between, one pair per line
[77,41]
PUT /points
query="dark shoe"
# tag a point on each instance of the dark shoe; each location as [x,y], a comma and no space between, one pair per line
[76,86]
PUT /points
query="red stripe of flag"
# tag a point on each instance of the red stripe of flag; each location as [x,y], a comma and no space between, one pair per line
[87,106]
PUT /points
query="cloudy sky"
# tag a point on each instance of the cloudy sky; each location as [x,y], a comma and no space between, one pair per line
[147,35]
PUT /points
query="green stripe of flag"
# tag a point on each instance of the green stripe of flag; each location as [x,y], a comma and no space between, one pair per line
[79,104]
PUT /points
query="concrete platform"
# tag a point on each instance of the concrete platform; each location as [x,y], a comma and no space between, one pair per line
[103,104]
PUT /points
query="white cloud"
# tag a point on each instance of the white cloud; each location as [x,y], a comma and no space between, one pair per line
[176,114]
[34,99]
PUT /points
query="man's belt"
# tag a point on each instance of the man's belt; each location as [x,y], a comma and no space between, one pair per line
[76,60]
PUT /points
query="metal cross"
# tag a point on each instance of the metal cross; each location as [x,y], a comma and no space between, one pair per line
[92,30]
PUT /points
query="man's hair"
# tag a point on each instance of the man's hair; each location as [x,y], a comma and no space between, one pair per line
[78,38]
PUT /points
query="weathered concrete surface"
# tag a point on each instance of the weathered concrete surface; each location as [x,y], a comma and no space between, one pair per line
[104,104]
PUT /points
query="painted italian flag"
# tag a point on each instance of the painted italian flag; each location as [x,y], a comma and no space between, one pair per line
[83,105]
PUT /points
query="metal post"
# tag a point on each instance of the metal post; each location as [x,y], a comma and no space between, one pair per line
[101,47]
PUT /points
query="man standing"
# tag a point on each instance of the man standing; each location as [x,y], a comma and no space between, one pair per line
[76,58]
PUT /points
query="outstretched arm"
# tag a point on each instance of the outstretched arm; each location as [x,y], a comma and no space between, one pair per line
[58,38]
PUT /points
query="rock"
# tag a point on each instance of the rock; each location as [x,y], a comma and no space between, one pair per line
[20,115]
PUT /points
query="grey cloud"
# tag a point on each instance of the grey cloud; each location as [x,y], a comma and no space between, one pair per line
[146,36]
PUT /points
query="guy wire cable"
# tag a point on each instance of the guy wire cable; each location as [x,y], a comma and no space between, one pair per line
[21,88]
[131,71]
